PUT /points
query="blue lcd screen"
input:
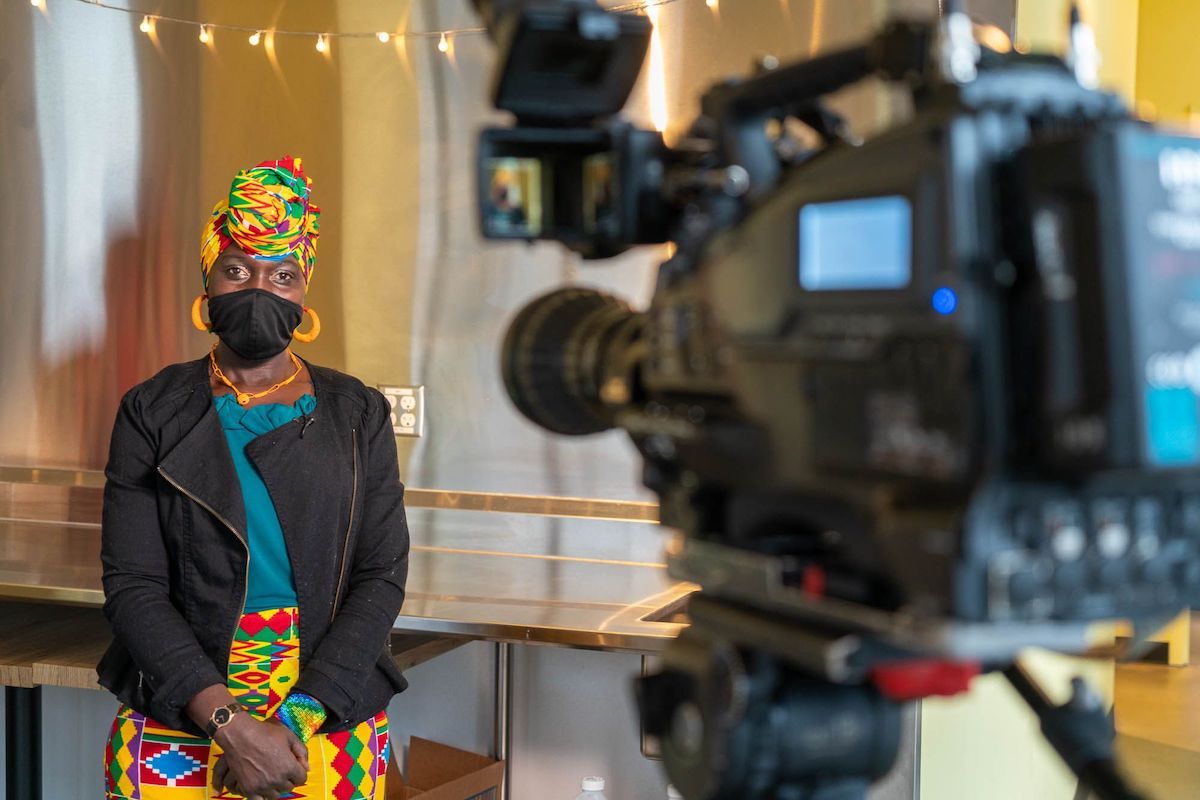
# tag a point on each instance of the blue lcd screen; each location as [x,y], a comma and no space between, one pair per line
[856,245]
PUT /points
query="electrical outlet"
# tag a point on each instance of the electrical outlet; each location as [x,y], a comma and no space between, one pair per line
[408,408]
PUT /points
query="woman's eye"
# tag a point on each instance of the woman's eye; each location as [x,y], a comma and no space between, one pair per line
[284,277]
[235,272]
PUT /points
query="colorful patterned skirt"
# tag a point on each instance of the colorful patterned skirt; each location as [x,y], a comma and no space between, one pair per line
[147,761]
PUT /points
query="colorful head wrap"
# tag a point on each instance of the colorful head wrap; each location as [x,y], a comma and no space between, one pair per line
[268,214]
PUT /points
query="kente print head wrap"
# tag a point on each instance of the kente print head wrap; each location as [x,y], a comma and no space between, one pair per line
[268,214]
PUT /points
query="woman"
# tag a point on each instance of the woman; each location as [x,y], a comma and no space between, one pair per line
[254,541]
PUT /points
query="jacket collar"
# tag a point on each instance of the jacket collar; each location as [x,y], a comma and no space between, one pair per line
[200,464]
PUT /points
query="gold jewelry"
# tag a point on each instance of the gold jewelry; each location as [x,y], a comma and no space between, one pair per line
[313,332]
[197,320]
[244,398]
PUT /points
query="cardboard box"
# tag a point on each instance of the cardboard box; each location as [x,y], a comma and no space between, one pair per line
[440,772]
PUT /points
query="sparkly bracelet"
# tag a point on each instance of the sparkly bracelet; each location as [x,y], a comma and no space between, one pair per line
[303,715]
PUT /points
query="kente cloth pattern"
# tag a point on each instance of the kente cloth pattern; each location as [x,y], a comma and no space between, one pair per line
[146,761]
[268,214]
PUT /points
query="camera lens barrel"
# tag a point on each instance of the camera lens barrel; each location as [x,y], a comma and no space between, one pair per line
[558,352]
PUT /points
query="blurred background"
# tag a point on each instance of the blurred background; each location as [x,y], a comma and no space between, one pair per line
[115,142]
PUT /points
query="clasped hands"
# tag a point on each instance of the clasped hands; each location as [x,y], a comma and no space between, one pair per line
[261,760]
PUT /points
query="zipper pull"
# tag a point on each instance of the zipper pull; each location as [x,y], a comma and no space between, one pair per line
[304,426]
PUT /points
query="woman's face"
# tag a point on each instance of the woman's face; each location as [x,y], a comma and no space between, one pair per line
[234,271]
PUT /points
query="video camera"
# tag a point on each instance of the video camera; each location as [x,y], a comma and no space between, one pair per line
[914,404]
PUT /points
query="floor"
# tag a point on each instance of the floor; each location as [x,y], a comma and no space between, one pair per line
[1158,724]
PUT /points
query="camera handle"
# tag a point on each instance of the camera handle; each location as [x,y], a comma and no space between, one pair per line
[1080,731]
[740,109]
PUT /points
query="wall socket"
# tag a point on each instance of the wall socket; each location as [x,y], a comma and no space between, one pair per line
[408,408]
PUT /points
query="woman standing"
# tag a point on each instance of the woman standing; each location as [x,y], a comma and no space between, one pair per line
[254,540]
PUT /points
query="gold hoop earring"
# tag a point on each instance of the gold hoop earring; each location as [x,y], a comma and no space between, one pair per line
[312,332]
[197,321]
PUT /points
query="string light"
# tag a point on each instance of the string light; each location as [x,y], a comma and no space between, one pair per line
[35,3]
[324,40]
[712,4]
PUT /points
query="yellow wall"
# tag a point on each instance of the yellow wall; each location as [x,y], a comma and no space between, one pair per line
[1168,61]
[1042,26]
[1147,48]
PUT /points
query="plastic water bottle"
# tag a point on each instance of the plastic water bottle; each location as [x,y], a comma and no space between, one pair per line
[592,789]
[673,793]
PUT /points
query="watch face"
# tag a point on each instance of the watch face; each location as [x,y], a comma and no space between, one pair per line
[222,715]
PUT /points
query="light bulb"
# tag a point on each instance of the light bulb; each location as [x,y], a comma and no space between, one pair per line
[205,36]
[35,3]
[711,3]
[383,37]
[255,38]
[146,25]
[443,44]
[322,45]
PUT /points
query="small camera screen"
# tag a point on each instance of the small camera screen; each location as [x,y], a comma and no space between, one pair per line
[513,206]
[599,212]
[856,245]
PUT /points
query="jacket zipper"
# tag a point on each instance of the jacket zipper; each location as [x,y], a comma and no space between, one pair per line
[350,522]
[246,547]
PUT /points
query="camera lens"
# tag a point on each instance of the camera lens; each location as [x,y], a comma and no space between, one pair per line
[559,351]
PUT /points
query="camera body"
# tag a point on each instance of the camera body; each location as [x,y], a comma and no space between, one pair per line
[949,361]
[939,380]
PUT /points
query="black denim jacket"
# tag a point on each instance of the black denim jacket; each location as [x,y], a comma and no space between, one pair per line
[176,557]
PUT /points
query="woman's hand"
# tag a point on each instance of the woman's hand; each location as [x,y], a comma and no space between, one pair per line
[260,759]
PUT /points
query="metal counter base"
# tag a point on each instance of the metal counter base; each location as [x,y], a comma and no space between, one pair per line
[23,742]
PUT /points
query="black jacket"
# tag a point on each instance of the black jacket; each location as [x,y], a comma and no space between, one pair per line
[176,559]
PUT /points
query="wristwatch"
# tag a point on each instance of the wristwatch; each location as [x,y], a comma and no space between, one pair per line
[220,718]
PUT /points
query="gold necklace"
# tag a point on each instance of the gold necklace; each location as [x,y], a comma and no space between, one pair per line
[244,398]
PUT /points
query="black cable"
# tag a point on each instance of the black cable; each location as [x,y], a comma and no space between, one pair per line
[1080,732]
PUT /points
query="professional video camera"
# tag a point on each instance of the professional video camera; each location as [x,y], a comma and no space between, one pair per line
[913,404]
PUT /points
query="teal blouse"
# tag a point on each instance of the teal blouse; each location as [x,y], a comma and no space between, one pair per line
[270,583]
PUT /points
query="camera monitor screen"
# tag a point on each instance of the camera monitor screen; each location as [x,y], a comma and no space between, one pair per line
[513,207]
[855,245]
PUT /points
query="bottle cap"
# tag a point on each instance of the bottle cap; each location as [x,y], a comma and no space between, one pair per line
[673,793]
[593,784]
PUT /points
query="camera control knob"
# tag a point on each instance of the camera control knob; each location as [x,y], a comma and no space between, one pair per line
[1146,545]
[1112,539]
[1068,542]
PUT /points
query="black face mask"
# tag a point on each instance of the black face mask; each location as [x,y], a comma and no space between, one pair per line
[254,323]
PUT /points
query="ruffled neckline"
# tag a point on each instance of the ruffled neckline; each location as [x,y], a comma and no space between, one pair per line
[262,418]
